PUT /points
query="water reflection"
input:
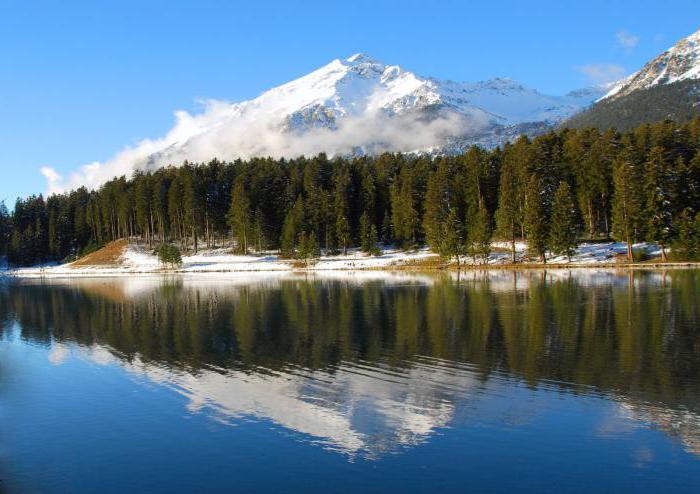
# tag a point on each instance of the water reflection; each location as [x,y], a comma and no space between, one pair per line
[373,363]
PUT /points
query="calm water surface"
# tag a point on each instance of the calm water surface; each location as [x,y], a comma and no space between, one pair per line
[543,382]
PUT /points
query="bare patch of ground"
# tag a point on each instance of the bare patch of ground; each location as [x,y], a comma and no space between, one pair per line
[109,255]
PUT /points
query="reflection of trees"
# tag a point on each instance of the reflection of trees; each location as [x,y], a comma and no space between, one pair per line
[638,336]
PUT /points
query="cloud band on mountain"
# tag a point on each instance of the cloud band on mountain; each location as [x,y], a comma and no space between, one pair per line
[216,133]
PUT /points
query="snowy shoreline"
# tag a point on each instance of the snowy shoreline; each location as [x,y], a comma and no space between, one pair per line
[136,260]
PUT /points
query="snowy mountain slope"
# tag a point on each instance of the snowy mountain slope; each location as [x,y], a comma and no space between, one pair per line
[668,87]
[352,106]
[678,63]
[363,88]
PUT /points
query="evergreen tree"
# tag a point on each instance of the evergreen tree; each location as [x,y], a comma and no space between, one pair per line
[259,231]
[659,191]
[686,247]
[479,234]
[507,214]
[563,224]
[405,219]
[628,204]
[142,200]
[293,226]
[239,216]
[368,235]
[535,220]
[342,232]
[5,229]
[451,240]
[386,228]
[308,246]
[438,199]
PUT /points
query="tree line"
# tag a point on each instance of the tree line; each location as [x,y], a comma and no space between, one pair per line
[552,191]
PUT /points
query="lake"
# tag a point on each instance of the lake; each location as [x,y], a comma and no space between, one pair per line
[533,381]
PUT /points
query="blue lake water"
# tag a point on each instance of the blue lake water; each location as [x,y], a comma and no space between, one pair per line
[581,381]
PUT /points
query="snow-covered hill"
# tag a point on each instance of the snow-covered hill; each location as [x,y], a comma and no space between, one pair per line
[679,63]
[352,106]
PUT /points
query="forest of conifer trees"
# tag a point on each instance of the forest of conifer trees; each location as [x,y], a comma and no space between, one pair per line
[552,191]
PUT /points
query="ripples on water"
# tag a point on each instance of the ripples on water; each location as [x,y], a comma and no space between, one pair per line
[385,376]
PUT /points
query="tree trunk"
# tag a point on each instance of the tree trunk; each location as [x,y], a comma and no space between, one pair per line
[630,254]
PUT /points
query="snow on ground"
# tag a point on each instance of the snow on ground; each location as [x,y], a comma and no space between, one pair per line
[137,259]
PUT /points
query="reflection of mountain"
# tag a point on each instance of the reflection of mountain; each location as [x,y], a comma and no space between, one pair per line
[681,423]
[366,366]
[353,409]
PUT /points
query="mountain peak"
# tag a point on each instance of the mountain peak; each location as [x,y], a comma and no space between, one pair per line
[360,58]
[678,63]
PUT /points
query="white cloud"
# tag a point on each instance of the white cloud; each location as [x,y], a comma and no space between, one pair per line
[627,40]
[53,179]
[228,131]
[602,73]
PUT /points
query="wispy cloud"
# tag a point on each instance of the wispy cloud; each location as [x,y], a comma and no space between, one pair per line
[602,73]
[627,40]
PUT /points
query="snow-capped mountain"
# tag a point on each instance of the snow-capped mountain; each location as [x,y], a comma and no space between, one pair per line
[360,92]
[679,63]
[352,106]
[360,84]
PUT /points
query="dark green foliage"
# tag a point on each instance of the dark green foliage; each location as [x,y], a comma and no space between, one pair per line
[661,198]
[308,246]
[293,227]
[368,235]
[686,246]
[508,214]
[628,200]
[451,242]
[564,222]
[535,219]
[169,255]
[633,186]
[239,217]
[480,232]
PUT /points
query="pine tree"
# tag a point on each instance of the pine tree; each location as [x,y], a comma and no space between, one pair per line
[308,246]
[438,198]
[342,232]
[659,185]
[507,214]
[535,220]
[386,228]
[479,234]
[239,216]
[451,240]
[5,229]
[563,224]
[628,204]
[293,226]
[259,231]
[686,246]
[142,202]
[405,220]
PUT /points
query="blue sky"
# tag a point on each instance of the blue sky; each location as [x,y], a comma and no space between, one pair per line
[79,80]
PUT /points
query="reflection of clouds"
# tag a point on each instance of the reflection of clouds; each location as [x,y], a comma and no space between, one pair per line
[683,424]
[59,353]
[97,354]
[359,411]
[643,456]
